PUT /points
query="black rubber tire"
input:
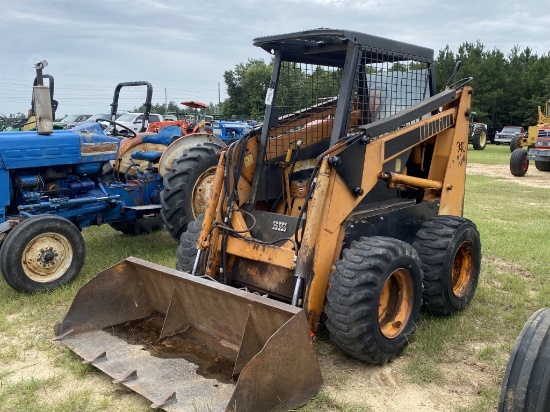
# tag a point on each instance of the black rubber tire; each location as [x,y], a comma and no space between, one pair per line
[519,164]
[542,166]
[479,138]
[177,196]
[139,226]
[59,237]
[187,249]
[441,242]
[526,383]
[355,294]
[514,143]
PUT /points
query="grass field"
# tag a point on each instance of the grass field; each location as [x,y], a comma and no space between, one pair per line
[492,154]
[514,226]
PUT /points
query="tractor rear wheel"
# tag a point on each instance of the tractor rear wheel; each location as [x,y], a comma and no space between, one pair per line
[542,166]
[187,249]
[450,250]
[526,383]
[187,187]
[41,254]
[374,299]
[139,226]
[519,164]
[479,138]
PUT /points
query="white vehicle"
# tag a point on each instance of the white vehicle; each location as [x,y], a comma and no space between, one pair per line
[72,120]
[134,121]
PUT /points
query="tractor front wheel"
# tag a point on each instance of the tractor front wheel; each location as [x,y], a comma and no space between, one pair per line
[450,250]
[526,383]
[374,299]
[187,187]
[519,164]
[41,254]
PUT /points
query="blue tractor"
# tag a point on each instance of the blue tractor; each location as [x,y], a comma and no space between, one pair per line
[54,184]
[229,131]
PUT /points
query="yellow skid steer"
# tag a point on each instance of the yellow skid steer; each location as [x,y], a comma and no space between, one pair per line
[343,210]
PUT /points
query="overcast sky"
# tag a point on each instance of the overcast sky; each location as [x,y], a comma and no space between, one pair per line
[183,47]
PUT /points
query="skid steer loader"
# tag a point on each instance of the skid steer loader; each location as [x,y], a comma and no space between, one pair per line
[343,210]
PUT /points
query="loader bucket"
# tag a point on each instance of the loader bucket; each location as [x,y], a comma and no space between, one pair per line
[191,344]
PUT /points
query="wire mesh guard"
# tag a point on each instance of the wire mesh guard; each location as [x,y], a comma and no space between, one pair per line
[307,96]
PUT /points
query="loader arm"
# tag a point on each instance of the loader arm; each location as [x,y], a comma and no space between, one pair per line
[445,184]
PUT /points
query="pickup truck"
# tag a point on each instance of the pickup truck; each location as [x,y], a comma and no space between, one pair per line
[508,133]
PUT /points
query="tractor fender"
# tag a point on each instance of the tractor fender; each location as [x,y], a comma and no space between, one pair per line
[129,145]
[178,147]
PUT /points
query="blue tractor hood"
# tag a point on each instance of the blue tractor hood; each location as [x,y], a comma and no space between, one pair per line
[86,143]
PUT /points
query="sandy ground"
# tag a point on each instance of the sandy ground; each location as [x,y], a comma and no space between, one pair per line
[349,385]
[533,177]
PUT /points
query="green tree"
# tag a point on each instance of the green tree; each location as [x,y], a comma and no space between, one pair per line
[507,89]
[246,87]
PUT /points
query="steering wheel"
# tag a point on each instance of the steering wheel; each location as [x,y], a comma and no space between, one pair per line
[131,134]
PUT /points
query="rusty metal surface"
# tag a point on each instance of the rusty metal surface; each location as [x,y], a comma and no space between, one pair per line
[155,377]
[274,255]
[202,191]
[176,149]
[286,372]
[126,164]
[207,346]
[266,277]
[98,148]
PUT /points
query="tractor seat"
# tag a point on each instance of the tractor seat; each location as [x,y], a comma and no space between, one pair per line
[149,155]
[165,136]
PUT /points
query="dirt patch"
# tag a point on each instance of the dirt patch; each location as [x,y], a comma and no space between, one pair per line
[353,385]
[387,388]
[533,178]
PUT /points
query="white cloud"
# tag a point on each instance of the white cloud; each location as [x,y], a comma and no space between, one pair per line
[185,47]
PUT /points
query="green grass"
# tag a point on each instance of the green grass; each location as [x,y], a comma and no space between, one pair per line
[32,395]
[492,154]
[27,321]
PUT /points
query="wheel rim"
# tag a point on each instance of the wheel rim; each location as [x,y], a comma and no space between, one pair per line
[483,138]
[47,257]
[463,269]
[202,190]
[396,303]
[524,162]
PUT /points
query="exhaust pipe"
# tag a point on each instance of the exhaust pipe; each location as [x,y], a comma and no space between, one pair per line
[191,344]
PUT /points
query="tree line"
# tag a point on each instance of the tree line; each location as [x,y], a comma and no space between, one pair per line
[507,88]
